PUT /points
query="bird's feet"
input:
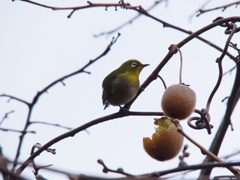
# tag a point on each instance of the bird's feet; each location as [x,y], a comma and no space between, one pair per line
[123,110]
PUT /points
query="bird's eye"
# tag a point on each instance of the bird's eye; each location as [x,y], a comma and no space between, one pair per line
[134,64]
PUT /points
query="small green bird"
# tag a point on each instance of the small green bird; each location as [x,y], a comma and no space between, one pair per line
[121,85]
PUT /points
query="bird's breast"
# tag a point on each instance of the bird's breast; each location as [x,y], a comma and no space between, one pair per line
[124,90]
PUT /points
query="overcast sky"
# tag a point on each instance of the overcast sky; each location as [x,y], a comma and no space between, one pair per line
[39,45]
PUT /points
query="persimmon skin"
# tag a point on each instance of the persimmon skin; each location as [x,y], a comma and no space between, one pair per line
[178,101]
[166,142]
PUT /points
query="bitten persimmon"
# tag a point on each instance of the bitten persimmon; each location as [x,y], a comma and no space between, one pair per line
[166,142]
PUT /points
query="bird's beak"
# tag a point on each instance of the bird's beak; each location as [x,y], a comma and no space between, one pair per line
[144,65]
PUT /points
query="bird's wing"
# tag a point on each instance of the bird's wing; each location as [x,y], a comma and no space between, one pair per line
[108,87]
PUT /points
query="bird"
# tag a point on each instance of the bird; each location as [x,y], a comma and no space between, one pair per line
[122,84]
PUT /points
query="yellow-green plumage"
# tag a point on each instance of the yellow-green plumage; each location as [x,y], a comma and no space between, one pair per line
[121,85]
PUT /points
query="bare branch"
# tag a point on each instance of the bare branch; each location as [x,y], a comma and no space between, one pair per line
[38,95]
[38,146]
[229,71]
[118,171]
[90,5]
[205,151]
[192,167]
[14,130]
[166,24]
[173,50]
[50,124]
[79,129]
[232,101]
[10,174]
[231,155]
[6,116]
[123,5]
[15,98]
[129,21]
[184,155]
[223,7]
[81,70]
[203,122]
[35,167]
[219,61]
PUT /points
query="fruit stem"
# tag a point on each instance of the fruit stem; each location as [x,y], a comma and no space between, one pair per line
[181,64]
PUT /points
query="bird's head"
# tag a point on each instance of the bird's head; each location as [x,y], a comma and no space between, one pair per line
[132,66]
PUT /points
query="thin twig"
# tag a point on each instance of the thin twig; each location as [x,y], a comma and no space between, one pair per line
[6,116]
[231,155]
[128,6]
[90,5]
[152,174]
[218,139]
[232,101]
[229,71]
[223,7]
[15,98]
[118,171]
[192,167]
[79,129]
[166,24]
[213,156]
[11,174]
[50,124]
[18,131]
[129,21]
[219,61]
[35,167]
[203,122]
[173,50]
[40,93]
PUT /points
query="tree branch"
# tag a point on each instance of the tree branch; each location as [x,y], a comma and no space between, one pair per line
[232,101]
[121,4]
[40,93]
[173,49]
[6,116]
[193,167]
[224,7]
[10,174]
[71,133]
[129,21]
[14,130]
[210,154]
[15,98]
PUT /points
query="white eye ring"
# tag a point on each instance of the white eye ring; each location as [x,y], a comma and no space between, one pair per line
[134,64]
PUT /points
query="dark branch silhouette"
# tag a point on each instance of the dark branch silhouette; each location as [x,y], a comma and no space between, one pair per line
[172,50]
[232,101]
[223,7]
[82,128]
[127,6]
[202,122]
[40,93]
[6,116]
